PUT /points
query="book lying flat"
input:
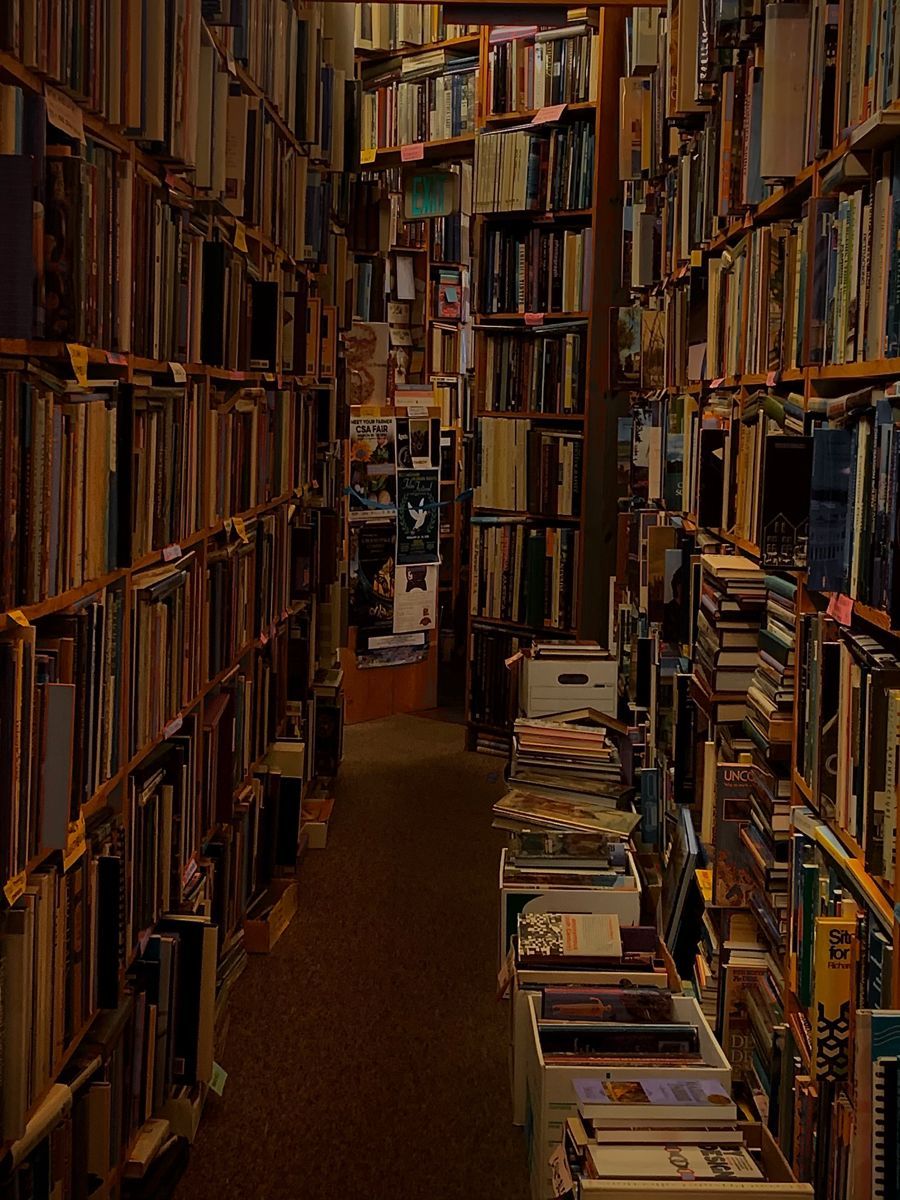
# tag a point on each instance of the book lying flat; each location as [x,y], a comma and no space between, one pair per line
[672,1161]
[532,811]
[651,1100]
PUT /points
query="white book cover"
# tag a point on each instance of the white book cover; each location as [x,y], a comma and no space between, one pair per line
[711,1160]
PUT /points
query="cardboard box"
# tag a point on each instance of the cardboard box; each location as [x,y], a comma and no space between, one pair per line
[515,898]
[550,1096]
[528,980]
[260,936]
[315,815]
[183,1112]
[780,1184]
[551,686]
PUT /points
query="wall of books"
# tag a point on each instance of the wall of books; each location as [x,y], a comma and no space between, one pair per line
[755,615]
[175,196]
[410,355]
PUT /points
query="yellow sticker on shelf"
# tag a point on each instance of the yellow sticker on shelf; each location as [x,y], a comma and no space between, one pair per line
[696,258]
[19,617]
[240,237]
[13,888]
[75,844]
[241,529]
[78,356]
[367,156]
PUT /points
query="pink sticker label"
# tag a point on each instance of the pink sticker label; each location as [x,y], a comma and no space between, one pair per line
[172,728]
[534,318]
[513,659]
[717,383]
[771,379]
[551,112]
[171,552]
[841,608]
[412,152]
[117,360]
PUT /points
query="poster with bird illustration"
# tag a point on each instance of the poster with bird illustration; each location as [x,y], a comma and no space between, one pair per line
[418,523]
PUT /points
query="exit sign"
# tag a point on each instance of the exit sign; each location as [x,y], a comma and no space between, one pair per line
[428,193]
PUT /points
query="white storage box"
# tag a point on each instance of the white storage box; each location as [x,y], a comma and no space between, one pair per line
[515,898]
[550,1095]
[558,685]
[526,981]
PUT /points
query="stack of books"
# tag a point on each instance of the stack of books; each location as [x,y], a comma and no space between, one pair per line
[731,605]
[571,755]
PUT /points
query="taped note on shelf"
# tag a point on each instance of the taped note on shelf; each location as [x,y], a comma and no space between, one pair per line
[534,318]
[173,726]
[218,1079]
[64,113]
[19,617]
[179,374]
[513,659]
[240,529]
[78,357]
[717,383]
[13,888]
[771,379]
[413,152]
[116,360]
[840,607]
[367,156]
[240,237]
[75,844]
[172,552]
[561,1176]
[550,112]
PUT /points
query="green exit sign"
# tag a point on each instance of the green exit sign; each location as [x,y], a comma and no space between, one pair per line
[428,193]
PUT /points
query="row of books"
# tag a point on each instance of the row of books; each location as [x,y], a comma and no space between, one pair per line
[525,574]
[419,99]
[540,371]
[525,469]
[395,26]
[532,68]
[537,271]
[526,170]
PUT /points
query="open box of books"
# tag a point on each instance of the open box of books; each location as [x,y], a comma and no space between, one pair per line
[525,888]
[560,1052]
[654,969]
[269,918]
[732,1160]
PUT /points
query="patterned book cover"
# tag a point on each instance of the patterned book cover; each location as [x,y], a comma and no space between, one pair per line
[832,986]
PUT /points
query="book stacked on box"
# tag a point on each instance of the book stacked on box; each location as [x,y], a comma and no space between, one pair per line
[731,604]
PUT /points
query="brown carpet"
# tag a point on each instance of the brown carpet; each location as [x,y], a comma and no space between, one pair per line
[367,1054]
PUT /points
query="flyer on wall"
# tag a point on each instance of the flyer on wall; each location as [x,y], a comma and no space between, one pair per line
[373,468]
[415,597]
[418,517]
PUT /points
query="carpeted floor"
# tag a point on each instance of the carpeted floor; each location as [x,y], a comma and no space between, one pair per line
[367,1054]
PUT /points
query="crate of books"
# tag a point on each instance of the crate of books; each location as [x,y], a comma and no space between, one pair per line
[623,1039]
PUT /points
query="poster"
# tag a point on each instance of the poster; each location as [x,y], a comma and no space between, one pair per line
[372,575]
[415,597]
[418,524]
[373,470]
[366,349]
[418,443]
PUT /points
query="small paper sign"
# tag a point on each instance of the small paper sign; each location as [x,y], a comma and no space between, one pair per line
[417,410]
[748,219]
[240,529]
[178,372]
[771,379]
[172,552]
[513,659]
[116,360]
[534,318]
[19,617]
[173,726]
[696,258]
[717,383]
[75,844]
[13,888]
[551,112]
[240,237]
[367,156]
[64,114]
[218,1079]
[78,357]
[840,608]
[414,152]
[561,1176]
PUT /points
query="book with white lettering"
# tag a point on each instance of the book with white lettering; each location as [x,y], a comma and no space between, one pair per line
[710,1160]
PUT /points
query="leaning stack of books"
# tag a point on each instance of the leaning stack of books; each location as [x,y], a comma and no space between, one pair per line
[731,603]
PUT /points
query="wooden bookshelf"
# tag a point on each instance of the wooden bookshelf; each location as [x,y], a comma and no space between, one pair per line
[219,545]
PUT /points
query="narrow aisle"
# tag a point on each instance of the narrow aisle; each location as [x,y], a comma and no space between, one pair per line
[367,1054]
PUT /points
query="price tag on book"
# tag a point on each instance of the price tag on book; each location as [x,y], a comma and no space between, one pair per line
[179,374]
[771,379]
[13,888]
[116,360]
[172,552]
[240,237]
[75,844]
[550,112]
[414,152]
[218,1079]
[717,383]
[367,156]
[561,1176]
[240,529]
[534,319]
[78,357]
[505,975]
[840,608]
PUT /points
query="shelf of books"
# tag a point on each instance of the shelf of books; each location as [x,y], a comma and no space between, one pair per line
[755,600]
[541,201]
[170,474]
[410,236]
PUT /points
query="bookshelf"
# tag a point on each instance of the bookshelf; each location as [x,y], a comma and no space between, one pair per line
[761,333]
[170,579]
[540,368]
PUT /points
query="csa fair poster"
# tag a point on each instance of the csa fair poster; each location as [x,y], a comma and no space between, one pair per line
[373,467]
[418,517]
